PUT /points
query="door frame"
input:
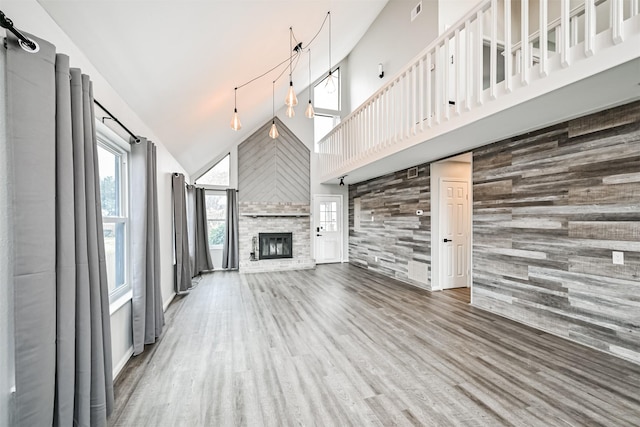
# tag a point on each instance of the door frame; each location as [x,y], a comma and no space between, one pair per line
[340,197]
[436,175]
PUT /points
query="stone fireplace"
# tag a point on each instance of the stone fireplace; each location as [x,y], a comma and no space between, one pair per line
[274,197]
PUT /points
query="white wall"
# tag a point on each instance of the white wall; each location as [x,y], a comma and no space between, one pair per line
[440,170]
[449,12]
[6,270]
[392,40]
[30,17]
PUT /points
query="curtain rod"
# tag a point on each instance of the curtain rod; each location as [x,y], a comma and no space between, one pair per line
[8,24]
[137,139]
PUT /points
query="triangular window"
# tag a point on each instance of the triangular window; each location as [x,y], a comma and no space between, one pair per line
[218,175]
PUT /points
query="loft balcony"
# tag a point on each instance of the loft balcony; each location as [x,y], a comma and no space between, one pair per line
[496,73]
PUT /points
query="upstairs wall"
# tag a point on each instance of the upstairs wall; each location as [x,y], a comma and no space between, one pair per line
[393,40]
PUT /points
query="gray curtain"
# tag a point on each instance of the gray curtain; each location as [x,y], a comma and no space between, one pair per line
[61,305]
[182,267]
[230,250]
[191,226]
[148,317]
[202,254]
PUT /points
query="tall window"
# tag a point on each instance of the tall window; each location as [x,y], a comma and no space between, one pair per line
[113,159]
[218,175]
[216,213]
[328,107]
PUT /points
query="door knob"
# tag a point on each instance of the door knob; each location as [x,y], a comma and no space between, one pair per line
[448,240]
[319,235]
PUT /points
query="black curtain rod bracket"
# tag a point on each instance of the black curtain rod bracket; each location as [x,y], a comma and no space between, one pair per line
[25,42]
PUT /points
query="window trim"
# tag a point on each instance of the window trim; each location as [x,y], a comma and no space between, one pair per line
[216,192]
[208,169]
[112,142]
[326,112]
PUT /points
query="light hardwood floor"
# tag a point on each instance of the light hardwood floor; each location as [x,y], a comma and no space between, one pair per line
[340,346]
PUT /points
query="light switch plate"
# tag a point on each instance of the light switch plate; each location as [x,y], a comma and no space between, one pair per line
[618,257]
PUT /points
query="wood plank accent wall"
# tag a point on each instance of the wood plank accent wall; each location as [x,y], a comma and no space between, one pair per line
[399,238]
[273,170]
[549,208]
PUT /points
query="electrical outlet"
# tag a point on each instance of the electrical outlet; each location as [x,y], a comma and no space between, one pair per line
[618,257]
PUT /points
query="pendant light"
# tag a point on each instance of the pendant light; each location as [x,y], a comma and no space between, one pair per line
[309,113]
[273,132]
[291,100]
[235,120]
[330,85]
[290,111]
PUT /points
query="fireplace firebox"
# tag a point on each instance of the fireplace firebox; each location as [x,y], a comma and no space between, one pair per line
[275,245]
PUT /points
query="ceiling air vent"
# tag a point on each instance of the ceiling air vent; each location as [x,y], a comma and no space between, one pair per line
[416,11]
[412,172]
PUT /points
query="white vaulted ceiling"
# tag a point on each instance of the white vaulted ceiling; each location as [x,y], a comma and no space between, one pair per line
[176,62]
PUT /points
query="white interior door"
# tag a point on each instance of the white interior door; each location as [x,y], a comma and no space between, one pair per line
[327,219]
[454,234]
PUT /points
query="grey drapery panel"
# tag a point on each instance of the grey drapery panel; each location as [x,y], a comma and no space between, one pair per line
[191,227]
[202,255]
[62,324]
[182,268]
[148,317]
[230,250]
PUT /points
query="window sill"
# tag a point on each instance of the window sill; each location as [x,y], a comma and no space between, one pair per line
[120,302]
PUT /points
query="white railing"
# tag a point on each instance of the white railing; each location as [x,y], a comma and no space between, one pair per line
[447,80]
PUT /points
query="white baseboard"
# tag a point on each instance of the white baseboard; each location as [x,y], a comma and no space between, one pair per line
[165,305]
[122,362]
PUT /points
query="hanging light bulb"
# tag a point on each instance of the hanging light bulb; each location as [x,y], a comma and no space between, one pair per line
[273,131]
[291,100]
[235,120]
[309,113]
[330,84]
[290,112]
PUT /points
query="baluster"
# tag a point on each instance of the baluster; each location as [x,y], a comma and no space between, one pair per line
[575,27]
[479,58]
[544,66]
[634,7]
[565,31]
[469,66]
[524,42]
[457,59]
[414,98]
[589,26]
[446,84]
[617,16]
[421,94]
[493,71]
[438,89]
[429,89]
[508,72]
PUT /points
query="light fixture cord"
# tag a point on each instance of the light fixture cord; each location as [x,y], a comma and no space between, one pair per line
[235,99]
[329,14]
[288,59]
[290,50]
[273,99]
[309,88]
